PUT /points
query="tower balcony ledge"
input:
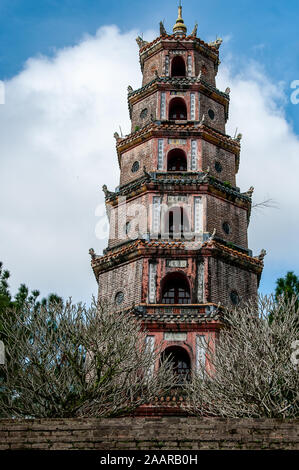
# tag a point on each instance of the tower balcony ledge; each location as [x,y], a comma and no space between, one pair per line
[166,81]
[181,314]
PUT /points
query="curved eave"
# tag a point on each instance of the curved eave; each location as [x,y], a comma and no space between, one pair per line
[166,83]
[189,186]
[158,248]
[188,42]
[170,129]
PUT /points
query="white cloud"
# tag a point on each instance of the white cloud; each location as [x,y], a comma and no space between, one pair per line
[57,150]
[269,162]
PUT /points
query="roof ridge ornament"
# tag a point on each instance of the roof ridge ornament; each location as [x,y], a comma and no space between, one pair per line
[180,27]
[162,29]
[194,32]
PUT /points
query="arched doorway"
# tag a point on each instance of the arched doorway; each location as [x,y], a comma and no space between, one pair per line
[177,109]
[176,223]
[176,160]
[180,360]
[175,289]
[178,67]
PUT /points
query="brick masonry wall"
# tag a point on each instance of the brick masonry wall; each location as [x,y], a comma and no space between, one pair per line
[220,211]
[212,154]
[156,62]
[169,433]
[225,278]
[145,154]
[218,121]
[126,278]
[151,104]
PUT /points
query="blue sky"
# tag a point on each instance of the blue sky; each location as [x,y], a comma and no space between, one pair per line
[263,30]
[55,135]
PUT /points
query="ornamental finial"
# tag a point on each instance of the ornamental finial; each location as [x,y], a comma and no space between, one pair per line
[180,27]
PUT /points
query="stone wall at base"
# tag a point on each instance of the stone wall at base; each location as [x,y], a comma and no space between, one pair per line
[166,433]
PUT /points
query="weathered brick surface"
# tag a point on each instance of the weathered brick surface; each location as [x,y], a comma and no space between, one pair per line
[149,433]
[220,211]
[225,278]
[125,278]
[156,62]
[212,154]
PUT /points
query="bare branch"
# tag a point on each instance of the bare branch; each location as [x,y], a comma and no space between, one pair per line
[266,204]
[252,371]
[67,361]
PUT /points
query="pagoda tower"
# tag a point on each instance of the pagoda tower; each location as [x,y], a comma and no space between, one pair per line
[178,244]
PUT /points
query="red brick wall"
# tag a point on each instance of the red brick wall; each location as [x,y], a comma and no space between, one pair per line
[151,104]
[135,211]
[126,278]
[218,122]
[219,211]
[212,154]
[224,278]
[167,433]
[155,62]
[145,154]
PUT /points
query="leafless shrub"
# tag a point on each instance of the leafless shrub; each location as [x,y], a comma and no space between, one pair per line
[252,373]
[67,361]
[266,204]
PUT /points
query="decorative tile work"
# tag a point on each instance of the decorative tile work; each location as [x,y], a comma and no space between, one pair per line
[152,282]
[198,215]
[177,263]
[201,350]
[160,154]
[166,65]
[156,217]
[189,66]
[200,281]
[194,155]
[163,105]
[192,106]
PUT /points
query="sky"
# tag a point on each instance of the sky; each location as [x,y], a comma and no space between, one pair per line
[66,65]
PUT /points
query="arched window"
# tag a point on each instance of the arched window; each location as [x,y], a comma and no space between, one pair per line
[176,222]
[176,160]
[177,109]
[178,67]
[180,360]
[175,289]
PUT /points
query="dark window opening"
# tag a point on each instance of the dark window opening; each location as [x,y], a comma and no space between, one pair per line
[176,290]
[177,109]
[176,160]
[119,298]
[218,167]
[211,114]
[226,228]
[234,297]
[135,167]
[180,361]
[176,223]
[178,67]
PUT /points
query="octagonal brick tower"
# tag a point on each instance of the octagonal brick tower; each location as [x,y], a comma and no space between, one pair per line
[178,222]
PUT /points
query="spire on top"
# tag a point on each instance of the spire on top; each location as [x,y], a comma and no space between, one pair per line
[180,27]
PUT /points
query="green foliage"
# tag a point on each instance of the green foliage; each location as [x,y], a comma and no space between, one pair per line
[14,309]
[5,297]
[288,285]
